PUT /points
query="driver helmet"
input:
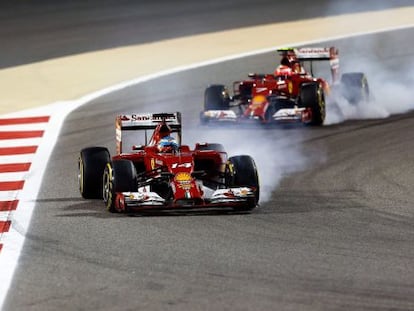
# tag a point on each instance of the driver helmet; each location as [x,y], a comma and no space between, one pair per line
[285,61]
[283,71]
[167,143]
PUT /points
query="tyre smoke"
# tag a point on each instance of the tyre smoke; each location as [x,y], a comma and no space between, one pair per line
[276,154]
[389,95]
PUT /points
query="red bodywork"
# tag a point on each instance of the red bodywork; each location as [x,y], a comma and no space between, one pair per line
[257,104]
[284,83]
[263,95]
[180,174]
[182,167]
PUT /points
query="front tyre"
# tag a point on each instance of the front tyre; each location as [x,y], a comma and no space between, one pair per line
[119,176]
[216,97]
[241,171]
[312,96]
[91,164]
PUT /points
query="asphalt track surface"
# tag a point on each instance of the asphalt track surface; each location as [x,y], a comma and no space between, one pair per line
[334,231]
[43,30]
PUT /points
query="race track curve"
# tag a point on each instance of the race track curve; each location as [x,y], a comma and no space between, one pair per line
[334,230]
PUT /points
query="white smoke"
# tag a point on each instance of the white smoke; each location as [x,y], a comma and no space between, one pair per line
[281,152]
[386,59]
[391,84]
[275,157]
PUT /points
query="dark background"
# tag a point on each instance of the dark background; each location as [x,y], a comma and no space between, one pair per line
[35,30]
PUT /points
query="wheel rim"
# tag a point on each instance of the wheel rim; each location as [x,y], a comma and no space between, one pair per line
[107,186]
[81,175]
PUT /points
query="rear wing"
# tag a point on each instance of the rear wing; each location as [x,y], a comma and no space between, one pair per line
[145,122]
[315,54]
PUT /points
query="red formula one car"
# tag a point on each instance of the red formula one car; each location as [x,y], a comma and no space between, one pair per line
[289,94]
[162,173]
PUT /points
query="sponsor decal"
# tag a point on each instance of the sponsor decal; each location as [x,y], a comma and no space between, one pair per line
[261,89]
[290,87]
[183,177]
[150,117]
[186,165]
[313,50]
[257,102]
[244,191]
[183,180]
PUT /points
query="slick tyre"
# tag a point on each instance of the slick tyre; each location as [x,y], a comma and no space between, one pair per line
[312,96]
[91,164]
[241,171]
[355,88]
[119,176]
[216,97]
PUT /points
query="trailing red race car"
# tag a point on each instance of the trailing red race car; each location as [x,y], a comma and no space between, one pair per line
[162,173]
[289,94]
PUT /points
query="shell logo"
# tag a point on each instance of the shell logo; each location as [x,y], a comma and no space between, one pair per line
[184,180]
[183,177]
[258,101]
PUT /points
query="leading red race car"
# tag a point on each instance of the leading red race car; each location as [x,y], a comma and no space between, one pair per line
[162,173]
[289,94]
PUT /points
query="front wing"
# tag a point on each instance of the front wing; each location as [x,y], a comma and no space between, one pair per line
[285,115]
[143,200]
[224,116]
[290,115]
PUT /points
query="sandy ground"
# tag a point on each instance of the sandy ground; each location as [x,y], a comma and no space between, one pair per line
[67,78]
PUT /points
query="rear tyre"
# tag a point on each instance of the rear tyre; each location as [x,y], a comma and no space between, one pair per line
[354,87]
[119,176]
[91,164]
[241,171]
[312,96]
[216,97]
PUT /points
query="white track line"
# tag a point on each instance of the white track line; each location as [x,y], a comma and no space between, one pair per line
[20,142]
[21,158]
[13,176]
